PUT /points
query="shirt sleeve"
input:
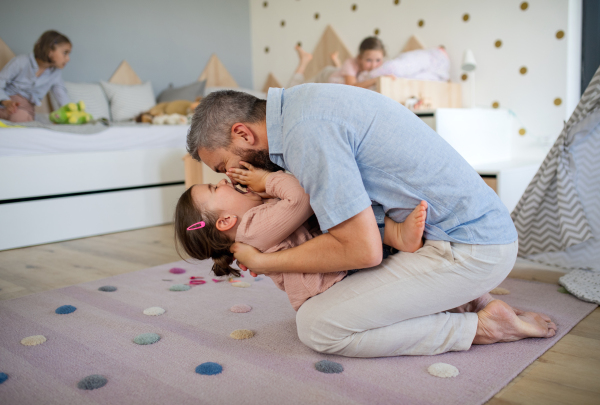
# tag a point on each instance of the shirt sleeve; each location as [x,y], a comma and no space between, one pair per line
[322,155]
[269,224]
[7,75]
[60,92]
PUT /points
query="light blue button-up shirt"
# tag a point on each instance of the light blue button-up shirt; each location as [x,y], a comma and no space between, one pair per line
[350,147]
[18,77]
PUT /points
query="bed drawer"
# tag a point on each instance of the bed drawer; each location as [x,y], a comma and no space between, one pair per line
[57,174]
[52,220]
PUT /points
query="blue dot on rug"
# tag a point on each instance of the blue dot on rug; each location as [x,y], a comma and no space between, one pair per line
[146,338]
[91,382]
[179,287]
[329,367]
[107,288]
[65,309]
[3,377]
[209,368]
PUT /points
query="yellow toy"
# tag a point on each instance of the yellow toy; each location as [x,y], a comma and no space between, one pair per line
[71,113]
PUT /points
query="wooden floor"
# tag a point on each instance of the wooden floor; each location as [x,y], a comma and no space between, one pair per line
[569,373]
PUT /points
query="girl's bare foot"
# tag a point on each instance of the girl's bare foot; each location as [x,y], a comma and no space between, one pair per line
[407,236]
[498,322]
[304,58]
[335,58]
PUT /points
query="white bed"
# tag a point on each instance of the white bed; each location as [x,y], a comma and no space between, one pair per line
[58,186]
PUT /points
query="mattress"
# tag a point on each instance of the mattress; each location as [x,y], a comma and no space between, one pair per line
[42,141]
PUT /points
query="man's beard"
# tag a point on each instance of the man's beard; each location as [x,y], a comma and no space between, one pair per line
[257,158]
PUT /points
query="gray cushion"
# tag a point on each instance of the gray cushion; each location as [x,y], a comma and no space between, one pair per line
[189,92]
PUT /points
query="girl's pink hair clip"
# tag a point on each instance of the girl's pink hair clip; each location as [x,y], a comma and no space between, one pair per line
[195,226]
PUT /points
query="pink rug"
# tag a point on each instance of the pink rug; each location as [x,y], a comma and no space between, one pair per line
[273,367]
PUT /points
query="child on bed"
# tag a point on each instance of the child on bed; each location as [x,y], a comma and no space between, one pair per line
[26,79]
[421,64]
[209,218]
[370,56]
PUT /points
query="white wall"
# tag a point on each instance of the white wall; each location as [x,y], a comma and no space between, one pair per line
[528,39]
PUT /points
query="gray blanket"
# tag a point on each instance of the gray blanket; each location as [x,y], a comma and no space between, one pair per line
[94,127]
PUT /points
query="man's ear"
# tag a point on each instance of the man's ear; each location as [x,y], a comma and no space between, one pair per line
[226,222]
[241,133]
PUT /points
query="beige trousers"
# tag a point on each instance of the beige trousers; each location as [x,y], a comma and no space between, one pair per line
[399,307]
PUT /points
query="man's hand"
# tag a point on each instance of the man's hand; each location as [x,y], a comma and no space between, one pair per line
[247,257]
[252,177]
[10,105]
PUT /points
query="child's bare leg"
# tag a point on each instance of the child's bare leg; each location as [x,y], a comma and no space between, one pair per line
[304,59]
[335,58]
[407,236]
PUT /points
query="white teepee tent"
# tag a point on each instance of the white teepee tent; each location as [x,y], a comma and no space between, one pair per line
[558,216]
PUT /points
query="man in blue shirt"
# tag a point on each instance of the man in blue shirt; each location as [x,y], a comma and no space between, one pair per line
[350,148]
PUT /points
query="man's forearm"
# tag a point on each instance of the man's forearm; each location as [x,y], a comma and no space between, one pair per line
[323,254]
[354,244]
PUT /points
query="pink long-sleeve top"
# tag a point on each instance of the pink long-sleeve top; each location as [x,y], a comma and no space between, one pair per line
[282,223]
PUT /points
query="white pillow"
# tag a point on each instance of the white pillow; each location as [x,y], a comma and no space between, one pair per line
[91,94]
[126,102]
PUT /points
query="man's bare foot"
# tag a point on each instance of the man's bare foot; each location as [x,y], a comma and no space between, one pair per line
[335,58]
[408,235]
[498,322]
[304,59]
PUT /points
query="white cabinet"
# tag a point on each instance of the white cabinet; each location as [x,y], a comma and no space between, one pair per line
[486,138]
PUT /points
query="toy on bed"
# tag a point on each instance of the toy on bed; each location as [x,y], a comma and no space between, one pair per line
[71,113]
[169,113]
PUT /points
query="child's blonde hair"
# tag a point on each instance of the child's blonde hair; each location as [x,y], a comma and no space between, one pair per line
[203,243]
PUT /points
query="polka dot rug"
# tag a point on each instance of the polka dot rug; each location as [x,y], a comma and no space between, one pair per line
[141,341]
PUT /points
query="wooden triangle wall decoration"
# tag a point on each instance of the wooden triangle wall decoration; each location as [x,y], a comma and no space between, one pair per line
[329,43]
[216,75]
[125,75]
[413,44]
[271,82]
[6,54]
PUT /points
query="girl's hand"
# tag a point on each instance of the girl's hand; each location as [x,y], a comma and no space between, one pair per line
[252,177]
[10,106]
[244,268]
[247,257]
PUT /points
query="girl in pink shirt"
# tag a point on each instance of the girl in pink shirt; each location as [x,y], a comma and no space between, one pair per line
[370,56]
[210,218]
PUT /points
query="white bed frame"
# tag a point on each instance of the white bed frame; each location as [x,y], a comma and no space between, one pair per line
[49,198]
[54,197]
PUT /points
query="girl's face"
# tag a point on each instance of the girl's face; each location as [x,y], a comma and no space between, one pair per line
[60,55]
[222,198]
[370,60]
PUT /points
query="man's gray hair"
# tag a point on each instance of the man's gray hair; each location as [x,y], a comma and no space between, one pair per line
[216,114]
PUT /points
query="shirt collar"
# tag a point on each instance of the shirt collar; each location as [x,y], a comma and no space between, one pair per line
[274,120]
[34,64]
